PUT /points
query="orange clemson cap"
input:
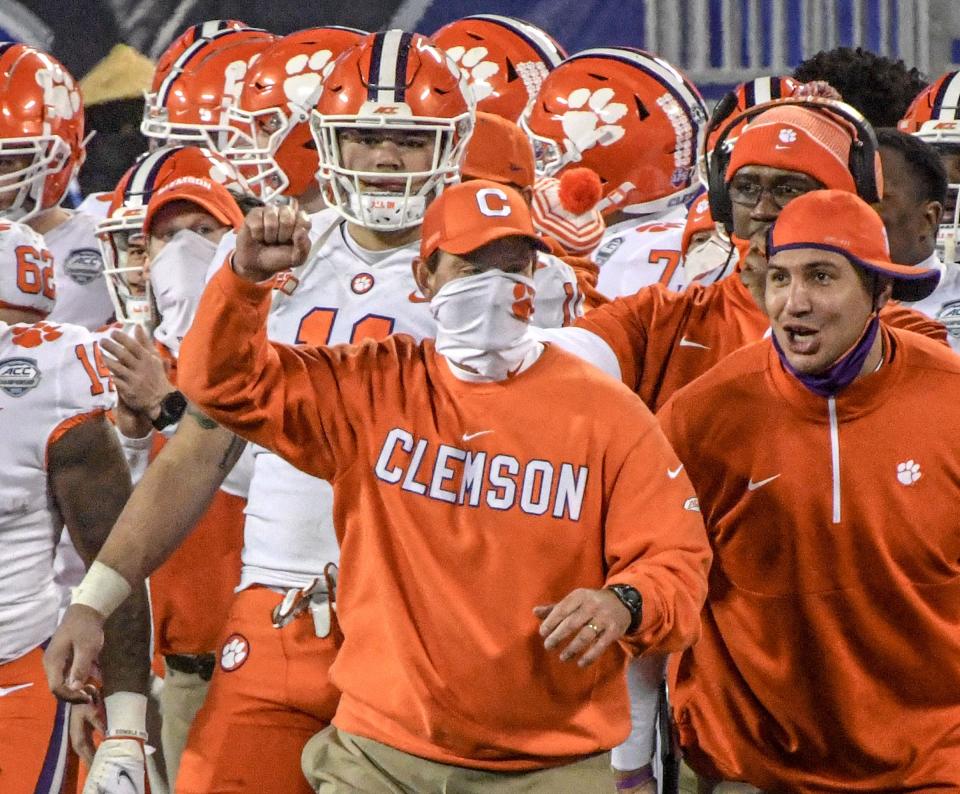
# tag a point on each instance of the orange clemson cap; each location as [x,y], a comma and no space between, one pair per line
[498,150]
[801,139]
[210,195]
[467,216]
[843,223]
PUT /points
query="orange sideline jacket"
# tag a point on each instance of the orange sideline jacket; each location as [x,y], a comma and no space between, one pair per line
[830,656]
[664,340]
[459,507]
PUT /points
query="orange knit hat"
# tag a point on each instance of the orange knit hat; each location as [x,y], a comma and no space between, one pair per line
[798,139]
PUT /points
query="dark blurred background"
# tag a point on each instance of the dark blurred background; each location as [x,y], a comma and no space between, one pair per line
[717,42]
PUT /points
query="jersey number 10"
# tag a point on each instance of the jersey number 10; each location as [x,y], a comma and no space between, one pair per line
[316,328]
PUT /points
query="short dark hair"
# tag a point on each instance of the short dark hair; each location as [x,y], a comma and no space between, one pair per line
[246,201]
[880,88]
[925,164]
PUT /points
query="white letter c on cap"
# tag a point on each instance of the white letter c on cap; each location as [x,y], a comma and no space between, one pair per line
[496,210]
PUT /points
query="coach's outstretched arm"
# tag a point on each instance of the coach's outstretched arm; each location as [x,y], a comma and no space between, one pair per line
[282,397]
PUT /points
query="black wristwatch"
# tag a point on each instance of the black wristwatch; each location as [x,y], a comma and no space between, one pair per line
[632,600]
[172,407]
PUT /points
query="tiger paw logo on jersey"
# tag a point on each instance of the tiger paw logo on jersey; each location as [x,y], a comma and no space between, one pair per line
[362,283]
[478,71]
[235,651]
[590,121]
[302,87]
[60,93]
[35,335]
[18,376]
[522,308]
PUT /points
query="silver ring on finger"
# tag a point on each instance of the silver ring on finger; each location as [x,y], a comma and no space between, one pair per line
[595,627]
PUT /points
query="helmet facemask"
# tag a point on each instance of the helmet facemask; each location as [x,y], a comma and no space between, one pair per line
[354,194]
[45,155]
[123,247]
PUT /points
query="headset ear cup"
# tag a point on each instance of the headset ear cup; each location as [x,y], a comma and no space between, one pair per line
[721,207]
[863,165]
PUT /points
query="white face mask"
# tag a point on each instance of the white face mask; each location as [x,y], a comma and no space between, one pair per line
[177,280]
[708,255]
[482,323]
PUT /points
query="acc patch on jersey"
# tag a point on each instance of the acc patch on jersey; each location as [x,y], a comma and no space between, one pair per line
[83,265]
[607,250]
[949,315]
[235,651]
[18,376]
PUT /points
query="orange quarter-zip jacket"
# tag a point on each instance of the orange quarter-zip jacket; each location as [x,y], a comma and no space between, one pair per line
[830,656]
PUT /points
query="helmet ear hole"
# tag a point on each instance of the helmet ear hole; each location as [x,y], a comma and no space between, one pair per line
[642,111]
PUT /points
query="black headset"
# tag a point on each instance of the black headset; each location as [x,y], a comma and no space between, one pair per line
[863,151]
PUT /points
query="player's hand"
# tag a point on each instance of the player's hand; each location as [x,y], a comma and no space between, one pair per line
[72,653]
[118,768]
[271,239]
[594,619]
[86,719]
[138,371]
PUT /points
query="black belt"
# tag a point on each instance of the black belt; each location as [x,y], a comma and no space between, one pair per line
[201,664]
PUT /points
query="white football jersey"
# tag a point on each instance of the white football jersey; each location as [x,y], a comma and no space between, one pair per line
[342,294]
[642,251]
[49,375]
[82,296]
[96,205]
[943,304]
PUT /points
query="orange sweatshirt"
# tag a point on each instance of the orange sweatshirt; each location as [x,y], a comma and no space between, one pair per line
[830,656]
[664,340]
[459,507]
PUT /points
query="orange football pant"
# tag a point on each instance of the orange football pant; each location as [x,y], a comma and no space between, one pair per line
[33,729]
[269,694]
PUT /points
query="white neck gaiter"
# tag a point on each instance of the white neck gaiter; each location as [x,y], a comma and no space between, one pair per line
[483,323]
[177,279]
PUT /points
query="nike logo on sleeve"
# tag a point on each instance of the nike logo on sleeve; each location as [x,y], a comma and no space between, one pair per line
[6,690]
[684,342]
[469,436]
[752,486]
[674,473]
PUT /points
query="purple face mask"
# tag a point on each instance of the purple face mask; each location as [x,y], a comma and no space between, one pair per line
[843,371]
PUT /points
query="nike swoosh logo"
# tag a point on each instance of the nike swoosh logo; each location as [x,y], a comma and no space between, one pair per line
[124,774]
[684,342]
[413,297]
[778,146]
[470,436]
[674,473]
[752,486]
[6,690]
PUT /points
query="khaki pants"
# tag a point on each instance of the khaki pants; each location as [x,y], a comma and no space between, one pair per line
[180,700]
[691,783]
[334,761]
